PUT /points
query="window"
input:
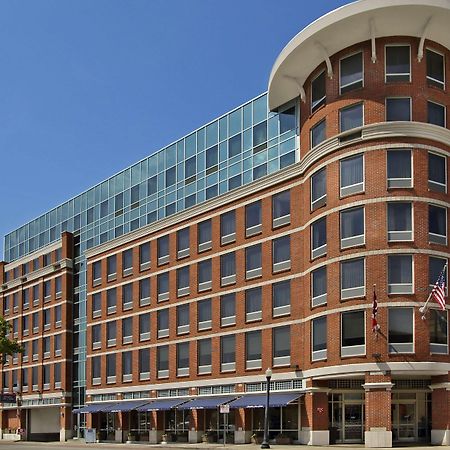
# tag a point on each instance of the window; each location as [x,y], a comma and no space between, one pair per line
[36,295]
[319,338]
[227,353]
[318,133]
[25,325]
[399,221]
[182,359]
[204,235]
[111,300]
[162,281]
[435,267]
[401,330]
[144,364]
[163,323]
[281,256]
[435,69]
[353,333]
[111,267]
[352,278]
[183,243]
[228,269]
[281,343]
[127,366]
[183,281]
[437,172]
[35,349]
[437,225]
[253,262]
[398,109]
[183,320]
[163,250]
[204,274]
[58,312]
[400,278]
[351,117]
[234,145]
[253,216]
[351,73]
[127,296]
[26,298]
[96,336]
[144,256]
[96,305]
[253,350]
[111,368]
[352,175]
[281,209]
[144,327]
[253,304]
[281,298]
[111,333]
[228,227]
[35,322]
[97,272]
[398,64]
[399,171]
[57,344]
[24,379]
[127,262]
[47,290]
[58,287]
[436,114]
[319,238]
[352,227]
[46,377]
[204,314]
[127,330]
[47,321]
[319,189]
[144,292]
[227,310]
[318,92]
[34,378]
[204,356]
[319,286]
[438,328]
[162,361]
[96,369]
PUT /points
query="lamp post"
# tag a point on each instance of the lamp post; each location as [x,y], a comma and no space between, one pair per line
[265,442]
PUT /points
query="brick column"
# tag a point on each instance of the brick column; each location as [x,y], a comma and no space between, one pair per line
[243,423]
[196,425]
[315,416]
[378,421]
[440,407]
[65,423]
[156,427]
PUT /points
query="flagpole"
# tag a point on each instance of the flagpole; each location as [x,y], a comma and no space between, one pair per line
[423,310]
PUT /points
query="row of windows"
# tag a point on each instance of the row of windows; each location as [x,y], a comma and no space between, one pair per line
[397,69]
[36,378]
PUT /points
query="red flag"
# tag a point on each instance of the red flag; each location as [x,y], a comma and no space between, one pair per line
[375,326]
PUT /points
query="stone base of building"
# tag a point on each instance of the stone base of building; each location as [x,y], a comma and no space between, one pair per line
[194,436]
[242,436]
[65,434]
[318,437]
[10,437]
[378,437]
[440,437]
[154,436]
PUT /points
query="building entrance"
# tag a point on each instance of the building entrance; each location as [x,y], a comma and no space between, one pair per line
[347,418]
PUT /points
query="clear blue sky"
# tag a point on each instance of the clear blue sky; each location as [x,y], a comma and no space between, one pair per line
[87,87]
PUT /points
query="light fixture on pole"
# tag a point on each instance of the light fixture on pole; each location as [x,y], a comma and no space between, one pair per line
[265,442]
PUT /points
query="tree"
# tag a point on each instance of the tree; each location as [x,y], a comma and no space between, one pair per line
[7,346]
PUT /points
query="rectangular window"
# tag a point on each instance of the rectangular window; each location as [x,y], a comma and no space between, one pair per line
[437,172]
[144,292]
[253,219]
[111,300]
[253,350]
[436,114]
[253,304]
[36,295]
[46,377]
[97,273]
[183,319]
[144,327]
[144,364]
[400,274]
[183,243]
[438,329]
[399,221]
[352,278]
[435,69]
[318,133]
[26,298]
[57,344]
[204,314]
[127,262]
[204,235]
[25,325]
[144,256]
[96,305]
[319,338]
[234,145]
[227,310]
[281,254]
[96,337]
[318,92]
[227,353]
[127,367]
[398,63]
[351,175]
[183,359]
[162,282]
[163,250]
[47,290]
[281,343]
[437,225]
[183,281]
[127,330]
[319,189]
[111,368]
[281,209]
[204,275]
[228,269]
[111,333]
[35,322]
[351,117]
[162,361]
[351,73]
[281,298]
[253,262]
[111,267]
[353,333]
[163,323]
[228,227]
[398,109]
[204,356]
[319,286]
[401,330]
[319,238]
[96,370]
[352,227]
[399,169]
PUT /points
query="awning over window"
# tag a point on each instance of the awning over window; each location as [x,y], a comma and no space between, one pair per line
[126,406]
[162,404]
[259,400]
[207,402]
[93,408]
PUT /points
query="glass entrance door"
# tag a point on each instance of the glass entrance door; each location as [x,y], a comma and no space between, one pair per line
[404,422]
[353,422]
[346,418]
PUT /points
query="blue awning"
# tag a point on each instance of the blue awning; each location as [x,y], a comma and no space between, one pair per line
[207,402]
[163,404]
[93,408]
[126,406]
[259,400]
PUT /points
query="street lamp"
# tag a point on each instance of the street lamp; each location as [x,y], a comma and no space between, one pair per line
[265,442]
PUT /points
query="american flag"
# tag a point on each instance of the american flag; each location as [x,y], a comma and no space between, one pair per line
[438,292]
[375,326]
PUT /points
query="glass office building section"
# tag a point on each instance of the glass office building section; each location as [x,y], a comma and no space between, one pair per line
[233,150]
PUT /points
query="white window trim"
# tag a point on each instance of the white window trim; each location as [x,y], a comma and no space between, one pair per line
[445,116]
[317,251]
[351,130]
[398,97]
[385,65]
[412,170]
[439,236]
[403,344]
[435,346]
[352,188]
[311,146]
[354,350]
[445,163]
[443,57]
[318,355]
[340,71]
[350,295]
[401,291]
[321,201]
[411,239]
[353,241]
